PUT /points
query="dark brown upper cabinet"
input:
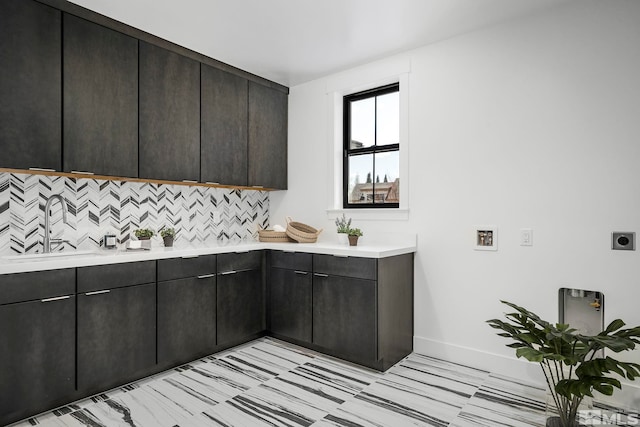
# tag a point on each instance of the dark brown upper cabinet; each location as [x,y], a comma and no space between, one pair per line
[223,124]
[30,85]
[100,128]
[169,115]
[267,137]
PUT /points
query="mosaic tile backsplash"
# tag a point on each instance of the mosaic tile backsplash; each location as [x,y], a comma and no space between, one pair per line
[96,207]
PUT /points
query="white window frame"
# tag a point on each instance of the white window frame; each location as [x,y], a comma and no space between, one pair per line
[375,75]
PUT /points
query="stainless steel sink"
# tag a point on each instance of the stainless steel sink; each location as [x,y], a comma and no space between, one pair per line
[48,256]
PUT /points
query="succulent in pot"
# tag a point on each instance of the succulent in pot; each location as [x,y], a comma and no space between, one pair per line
[144,233]
[168,234]
[354,234]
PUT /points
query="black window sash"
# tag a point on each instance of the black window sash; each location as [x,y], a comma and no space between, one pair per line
[351,152]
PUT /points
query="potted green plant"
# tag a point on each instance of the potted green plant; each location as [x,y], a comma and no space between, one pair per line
[168,234]
[143,233]
[573,364]
[354,234]
[343,224]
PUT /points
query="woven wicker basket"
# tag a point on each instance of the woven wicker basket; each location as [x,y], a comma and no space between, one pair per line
[302,233]
[274,236]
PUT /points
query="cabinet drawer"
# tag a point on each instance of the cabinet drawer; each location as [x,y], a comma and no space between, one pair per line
[112,276]
[37,285]
[239,261]
[362,268]
[181,268]
[291,260]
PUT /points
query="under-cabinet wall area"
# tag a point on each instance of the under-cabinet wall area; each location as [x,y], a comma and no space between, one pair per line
[199,214]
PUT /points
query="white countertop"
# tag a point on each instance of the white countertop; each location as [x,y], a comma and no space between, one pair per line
[104,256]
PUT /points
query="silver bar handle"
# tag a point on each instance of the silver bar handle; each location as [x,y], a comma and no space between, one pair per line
[190,256]
[190,181]
[105,291]
[206,276]
[320,275]
[341,256]
[42,169]
[83,172]
[228,272]
[304,273]
[55,298]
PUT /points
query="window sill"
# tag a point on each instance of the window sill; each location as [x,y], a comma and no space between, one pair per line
[383,214]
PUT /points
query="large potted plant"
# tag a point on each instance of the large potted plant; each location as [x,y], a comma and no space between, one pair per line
[573,364]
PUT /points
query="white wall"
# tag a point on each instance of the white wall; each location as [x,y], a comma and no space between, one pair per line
[531,124]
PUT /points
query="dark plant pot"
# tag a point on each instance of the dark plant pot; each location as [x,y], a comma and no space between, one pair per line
[144,238]
[168,241]
[353,240]
[555,422]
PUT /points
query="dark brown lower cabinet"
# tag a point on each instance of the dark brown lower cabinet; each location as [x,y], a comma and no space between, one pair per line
[363,308]
[121,326]
[290,296]
[344,316]
[186,319]
[116,336]
[240,302]
[37,356]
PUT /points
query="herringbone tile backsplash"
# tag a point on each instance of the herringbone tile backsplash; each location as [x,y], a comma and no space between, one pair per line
[96,207]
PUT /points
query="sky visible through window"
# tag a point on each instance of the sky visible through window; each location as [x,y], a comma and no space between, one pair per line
[363,134]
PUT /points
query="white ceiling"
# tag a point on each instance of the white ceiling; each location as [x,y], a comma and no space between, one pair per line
[295,41]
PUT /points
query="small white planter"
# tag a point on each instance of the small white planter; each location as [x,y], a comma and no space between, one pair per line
[343,239]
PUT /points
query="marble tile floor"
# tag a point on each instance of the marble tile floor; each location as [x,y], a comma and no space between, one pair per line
[270,383]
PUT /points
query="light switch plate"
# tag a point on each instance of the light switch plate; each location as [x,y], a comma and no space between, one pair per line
[526,237]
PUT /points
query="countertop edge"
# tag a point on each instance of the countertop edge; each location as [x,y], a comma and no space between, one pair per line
[105,257]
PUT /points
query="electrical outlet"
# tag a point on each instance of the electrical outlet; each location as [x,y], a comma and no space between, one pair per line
[623,241]
[216,217]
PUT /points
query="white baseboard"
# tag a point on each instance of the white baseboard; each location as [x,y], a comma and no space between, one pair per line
[527,372]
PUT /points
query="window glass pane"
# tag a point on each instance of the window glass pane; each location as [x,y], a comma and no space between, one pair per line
[388,119]
[363,125]
[387,177]
[360,178]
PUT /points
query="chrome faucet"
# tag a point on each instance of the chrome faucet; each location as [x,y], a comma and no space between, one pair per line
[48,241]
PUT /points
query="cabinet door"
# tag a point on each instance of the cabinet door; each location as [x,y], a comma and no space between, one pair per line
[267,137]
[169,115]
[344,316]
[240,306]
[290,304]
[116,336]
[37,357]
[223,141]
[30,85]
[186,319]
[100,130]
